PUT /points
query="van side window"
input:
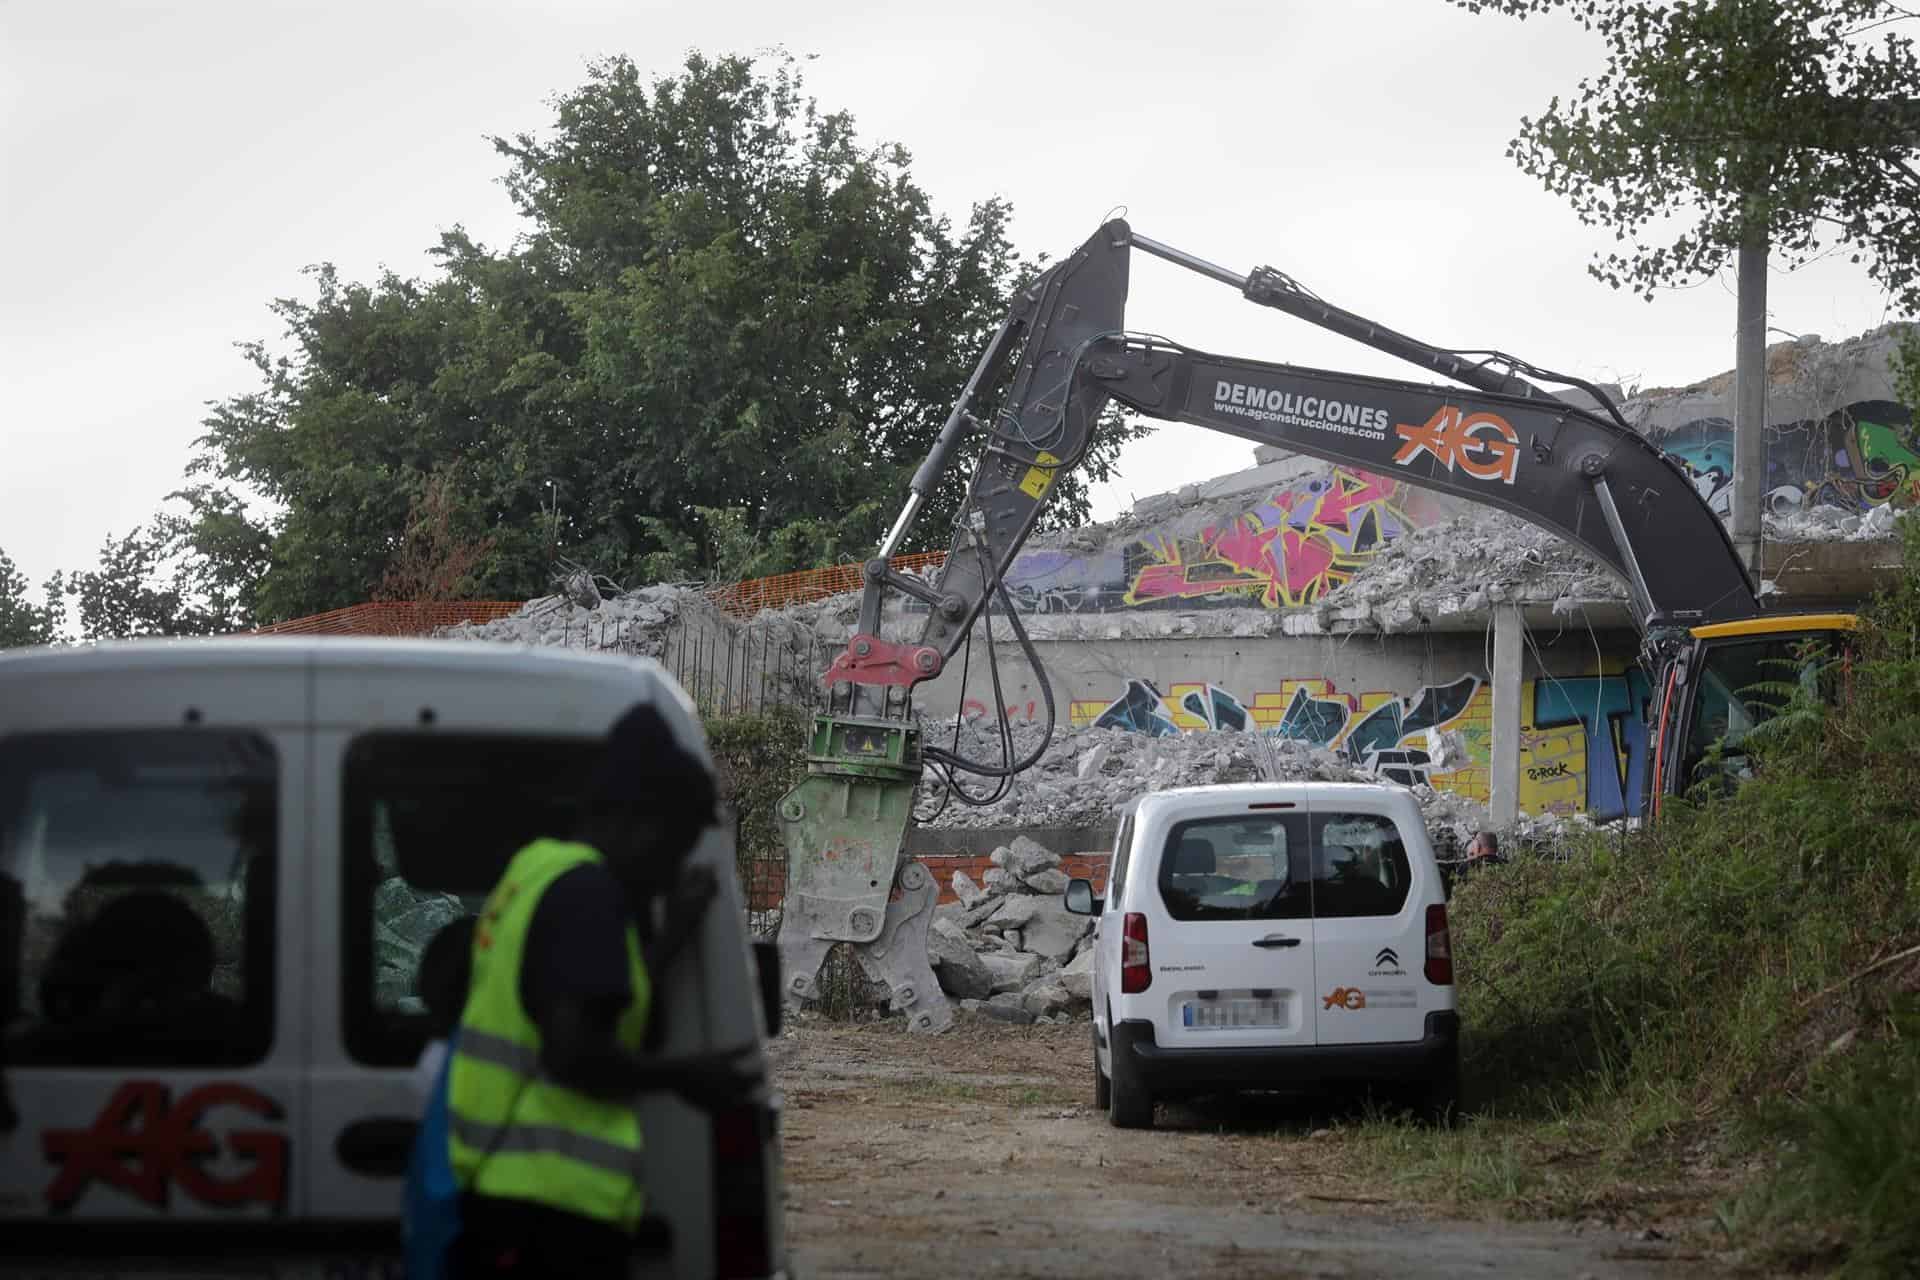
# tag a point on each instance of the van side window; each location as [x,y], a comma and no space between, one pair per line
[1237,868]
[431,821]
[1122,855]
[1360,866]
[137,898]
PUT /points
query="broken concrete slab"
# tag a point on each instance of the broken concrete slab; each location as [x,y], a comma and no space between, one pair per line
[1014,912]
[957,966]
[1050,883]
[970,894]
[1011,970]
[1043,998]
[1052,930]
[1077,977]
[1026,857]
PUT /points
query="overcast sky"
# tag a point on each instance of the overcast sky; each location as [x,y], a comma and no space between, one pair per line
[168,167]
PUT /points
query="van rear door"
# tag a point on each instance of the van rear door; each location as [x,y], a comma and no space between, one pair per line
[1369,920]
[1231,939]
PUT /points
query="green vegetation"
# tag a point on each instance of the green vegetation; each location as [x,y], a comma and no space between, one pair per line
[726,335]
[1714,120]
[1718,1018]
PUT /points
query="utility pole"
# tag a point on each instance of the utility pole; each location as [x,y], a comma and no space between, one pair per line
[1876,118]
[1750,396]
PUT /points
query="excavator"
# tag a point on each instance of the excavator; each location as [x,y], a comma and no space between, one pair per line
[1060,361]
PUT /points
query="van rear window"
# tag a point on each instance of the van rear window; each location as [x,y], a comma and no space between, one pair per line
[431,821]
[1251,867]
[137,897]
[1359,866]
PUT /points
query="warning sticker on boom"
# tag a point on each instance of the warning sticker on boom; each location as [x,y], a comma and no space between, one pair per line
[1039,478]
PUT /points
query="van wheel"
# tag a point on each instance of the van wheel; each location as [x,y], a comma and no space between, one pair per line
[1129,1102]
[1102,1087]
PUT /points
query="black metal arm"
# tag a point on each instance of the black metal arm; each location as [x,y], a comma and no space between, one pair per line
[1506,443]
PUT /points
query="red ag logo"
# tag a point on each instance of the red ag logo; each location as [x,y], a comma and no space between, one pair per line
[1345,998]
[1484,445]
[143,1145]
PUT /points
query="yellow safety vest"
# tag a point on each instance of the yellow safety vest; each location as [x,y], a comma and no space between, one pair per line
[513,1131]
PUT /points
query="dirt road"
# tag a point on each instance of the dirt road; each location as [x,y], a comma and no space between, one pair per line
[979,1153]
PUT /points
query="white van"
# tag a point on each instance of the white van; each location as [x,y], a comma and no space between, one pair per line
[260,836]
[1276,936]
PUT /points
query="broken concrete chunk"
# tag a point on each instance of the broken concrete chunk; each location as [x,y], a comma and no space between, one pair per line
[1008,1008]
[999,880]
[1045,998]
[1077,977]
[1012,938]
[1011,970]
[1026,857]
[959,969]
[970,894]
[1052,882]
[980,914]
[1013,913]
[1052,930]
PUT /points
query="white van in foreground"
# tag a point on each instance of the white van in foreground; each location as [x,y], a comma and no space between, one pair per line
[220,864]
[1274,936]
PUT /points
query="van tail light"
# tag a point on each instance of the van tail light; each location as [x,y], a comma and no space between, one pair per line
[1136,973]
[1439,947]
[743,1239]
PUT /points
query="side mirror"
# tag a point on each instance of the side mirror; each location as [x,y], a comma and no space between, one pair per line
[1080,899]
[766,963]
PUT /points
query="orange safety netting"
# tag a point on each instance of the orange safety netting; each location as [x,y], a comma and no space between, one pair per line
[740,599]
[744,599]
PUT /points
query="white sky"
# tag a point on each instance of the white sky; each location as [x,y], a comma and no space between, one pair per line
[166,169]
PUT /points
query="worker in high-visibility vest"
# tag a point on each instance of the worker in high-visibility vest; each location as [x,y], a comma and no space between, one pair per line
[543,1120]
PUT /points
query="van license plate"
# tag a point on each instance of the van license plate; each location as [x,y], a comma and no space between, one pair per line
[1219,1015]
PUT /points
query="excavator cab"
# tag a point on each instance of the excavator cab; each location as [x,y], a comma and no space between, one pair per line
[1726,679]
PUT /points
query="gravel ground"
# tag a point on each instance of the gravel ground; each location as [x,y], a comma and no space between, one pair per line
[978,1153]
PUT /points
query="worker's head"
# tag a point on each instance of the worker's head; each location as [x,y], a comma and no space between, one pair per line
[1485,845]
[648,801]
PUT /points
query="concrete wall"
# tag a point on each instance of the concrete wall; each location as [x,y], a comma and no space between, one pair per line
[1418,707]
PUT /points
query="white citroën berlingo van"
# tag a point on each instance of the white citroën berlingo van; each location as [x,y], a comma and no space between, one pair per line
[257,838]
[1273,936]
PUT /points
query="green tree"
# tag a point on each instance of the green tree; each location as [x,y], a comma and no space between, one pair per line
[1714,119]
[726,337]
[22,622]
[146,585]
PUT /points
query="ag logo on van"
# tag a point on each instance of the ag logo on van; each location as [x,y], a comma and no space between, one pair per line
[146,1144]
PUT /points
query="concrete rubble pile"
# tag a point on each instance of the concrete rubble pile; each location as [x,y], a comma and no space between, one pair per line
[1832,524]
[1462,566]
[1086,776]
[1010,949]
[637,621]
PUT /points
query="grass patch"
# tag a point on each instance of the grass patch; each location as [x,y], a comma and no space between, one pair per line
[1715,1018]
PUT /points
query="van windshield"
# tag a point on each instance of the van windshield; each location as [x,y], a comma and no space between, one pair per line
[136,897]
[1241,867]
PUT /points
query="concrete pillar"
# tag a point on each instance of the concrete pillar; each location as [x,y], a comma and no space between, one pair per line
[1509,647]
[1750,401]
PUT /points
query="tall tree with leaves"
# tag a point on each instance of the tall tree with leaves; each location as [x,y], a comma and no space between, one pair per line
[1788,121]
[727,336]
[23,623]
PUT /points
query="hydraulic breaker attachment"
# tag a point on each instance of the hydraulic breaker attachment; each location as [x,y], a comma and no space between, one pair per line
[846,881]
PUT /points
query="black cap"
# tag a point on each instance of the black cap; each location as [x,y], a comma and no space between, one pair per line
[644,769]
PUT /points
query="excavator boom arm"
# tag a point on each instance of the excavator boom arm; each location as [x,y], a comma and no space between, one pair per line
[1505,442]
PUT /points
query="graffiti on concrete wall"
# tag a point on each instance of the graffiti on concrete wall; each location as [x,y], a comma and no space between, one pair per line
[1855,458]
[1285,549]
[1583,739]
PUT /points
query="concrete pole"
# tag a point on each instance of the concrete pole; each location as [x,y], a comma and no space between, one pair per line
[1509,643]
[1750,401]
